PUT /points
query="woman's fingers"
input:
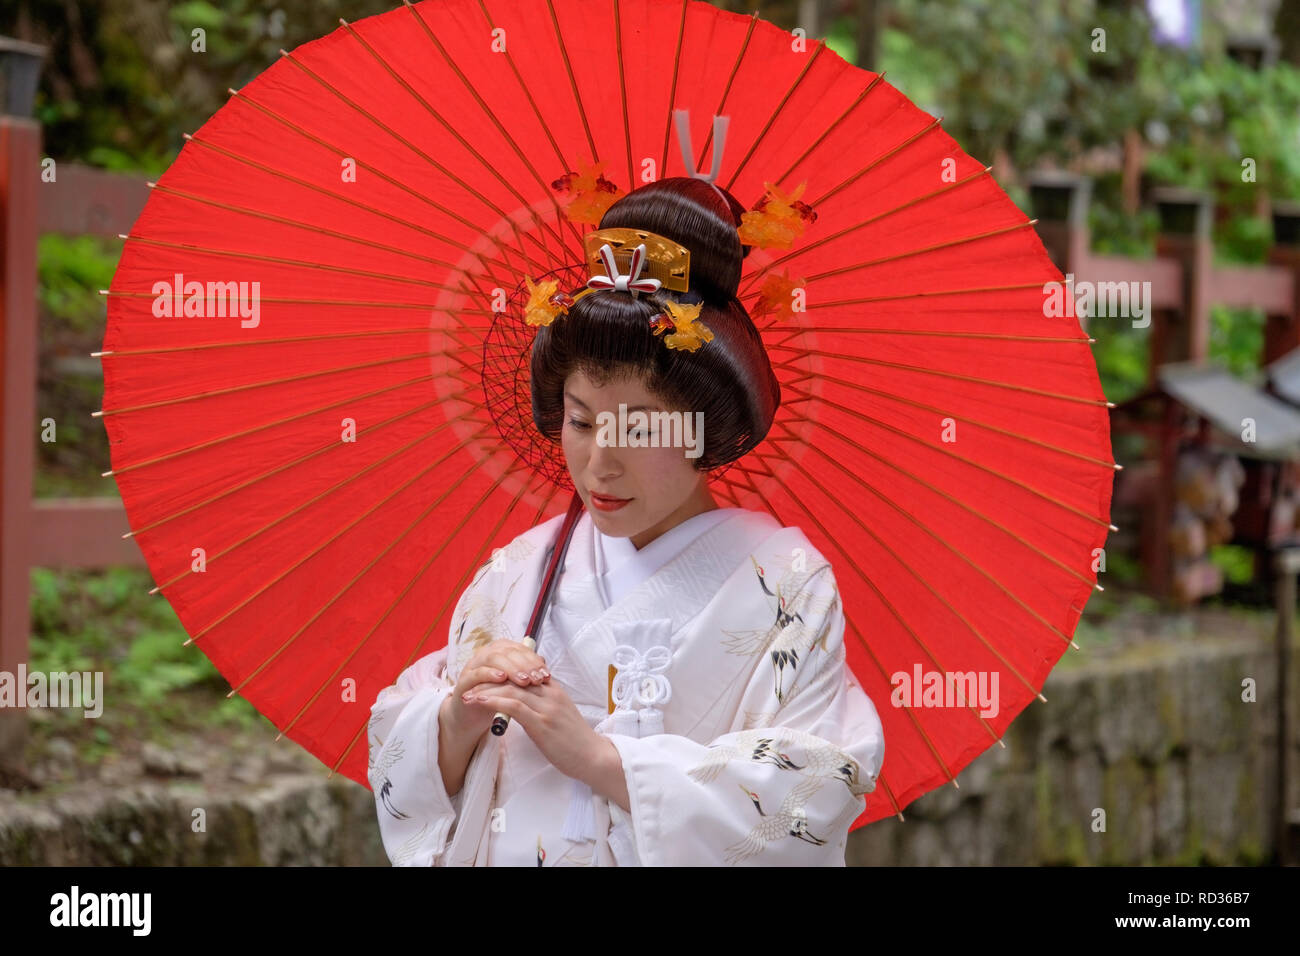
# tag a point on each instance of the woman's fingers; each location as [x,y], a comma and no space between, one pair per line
[507,699]
[485,674]
[521,665]
[525,667]
[529,660]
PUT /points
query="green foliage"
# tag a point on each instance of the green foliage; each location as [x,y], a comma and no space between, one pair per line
[123,80]
[70,273]
[1213,115]
[1237,339]
[1236,562]
[107,621]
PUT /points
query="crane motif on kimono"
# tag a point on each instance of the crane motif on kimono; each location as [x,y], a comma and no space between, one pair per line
[789,820]
[769,745]
[788,636]
[492,625]
[379,771]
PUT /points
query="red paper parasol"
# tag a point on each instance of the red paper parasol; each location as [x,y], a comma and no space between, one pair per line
[314,480]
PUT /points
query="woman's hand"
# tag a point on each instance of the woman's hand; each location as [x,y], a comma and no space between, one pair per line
[554,724]
[500,662]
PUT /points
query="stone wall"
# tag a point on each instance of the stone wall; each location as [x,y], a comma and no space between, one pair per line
[1157,736]
[289,820]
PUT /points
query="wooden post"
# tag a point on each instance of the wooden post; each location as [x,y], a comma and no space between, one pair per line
[1184,335]
[1060,204]
[1287,564]
[868,35]
[1282,329]
[20,143]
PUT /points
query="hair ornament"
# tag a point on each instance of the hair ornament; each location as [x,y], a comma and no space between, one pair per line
[591,193]
[668,263]
[614,280]
[544,302]
[777,295]
[777,219]
[774,222]
[689,332]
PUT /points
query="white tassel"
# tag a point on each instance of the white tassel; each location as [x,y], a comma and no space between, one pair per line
[640,679]
[580,821]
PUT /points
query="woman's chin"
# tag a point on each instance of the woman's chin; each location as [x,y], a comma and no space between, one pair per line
[612,524]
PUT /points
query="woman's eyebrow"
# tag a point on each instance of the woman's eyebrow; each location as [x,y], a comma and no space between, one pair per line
[635,408]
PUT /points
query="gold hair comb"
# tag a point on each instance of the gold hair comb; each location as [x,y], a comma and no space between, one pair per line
[668,264]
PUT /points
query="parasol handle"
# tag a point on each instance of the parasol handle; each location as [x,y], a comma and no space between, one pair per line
[501,721]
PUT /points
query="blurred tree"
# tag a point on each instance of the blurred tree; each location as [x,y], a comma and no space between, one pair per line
[124,79]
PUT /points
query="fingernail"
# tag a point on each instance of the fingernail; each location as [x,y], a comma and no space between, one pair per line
[545,672]
[482,697]
[498,674]
[537,675]
[523,676]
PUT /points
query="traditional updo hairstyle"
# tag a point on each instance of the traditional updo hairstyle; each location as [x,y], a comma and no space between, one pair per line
[607,333]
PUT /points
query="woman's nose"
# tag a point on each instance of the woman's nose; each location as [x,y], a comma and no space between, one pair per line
[604,459]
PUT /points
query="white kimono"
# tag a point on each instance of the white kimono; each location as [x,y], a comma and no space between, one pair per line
[713,658]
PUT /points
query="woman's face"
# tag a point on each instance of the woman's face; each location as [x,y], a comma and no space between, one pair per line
[661,486]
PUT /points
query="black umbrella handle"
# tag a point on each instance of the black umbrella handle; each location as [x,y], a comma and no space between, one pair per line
[501,721]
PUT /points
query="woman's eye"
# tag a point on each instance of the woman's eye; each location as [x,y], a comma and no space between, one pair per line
[577,424]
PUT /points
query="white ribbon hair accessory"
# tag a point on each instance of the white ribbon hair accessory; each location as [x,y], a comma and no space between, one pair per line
[623,283]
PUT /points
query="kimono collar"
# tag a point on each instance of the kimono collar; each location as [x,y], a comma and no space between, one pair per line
[621,566]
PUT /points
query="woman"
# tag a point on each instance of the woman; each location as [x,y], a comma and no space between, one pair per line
[691,703]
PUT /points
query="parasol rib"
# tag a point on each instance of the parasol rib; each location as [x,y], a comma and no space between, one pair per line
[966,507]
[853,563]
[559,213]
[415,578]
[331,194]
[270,472]
[817,243]
[672,88]
[1008,432]
[546,247]
[973,379]
[974,464]
[320,496]
[780,107]
[304,264]
[397,183]
[376,559]
[295,224]
[212,443]
[573,84]
[316,373]
[726,90]
[817,142]
[411,656]
[934,752]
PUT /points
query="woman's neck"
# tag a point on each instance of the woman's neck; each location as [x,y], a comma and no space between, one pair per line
[700,501]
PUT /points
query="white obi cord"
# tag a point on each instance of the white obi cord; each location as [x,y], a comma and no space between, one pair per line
[642,653]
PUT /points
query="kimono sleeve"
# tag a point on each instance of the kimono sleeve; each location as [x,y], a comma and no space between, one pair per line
[784,785]
[416,816]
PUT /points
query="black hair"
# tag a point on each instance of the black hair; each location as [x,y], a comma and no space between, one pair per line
[607,334]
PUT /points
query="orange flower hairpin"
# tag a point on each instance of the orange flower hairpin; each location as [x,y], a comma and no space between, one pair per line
[688,333]
[777,219]
[590,192]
